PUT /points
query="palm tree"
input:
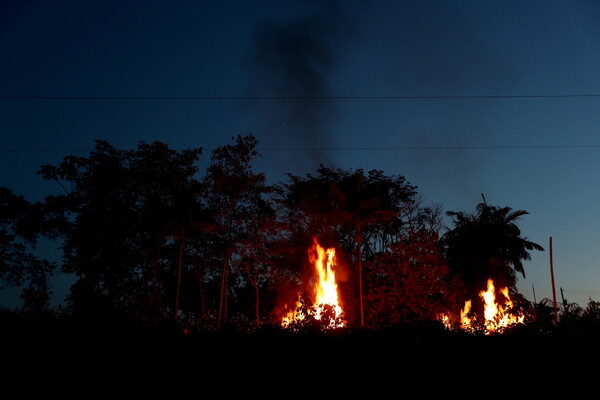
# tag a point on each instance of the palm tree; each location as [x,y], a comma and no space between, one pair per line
[487,244]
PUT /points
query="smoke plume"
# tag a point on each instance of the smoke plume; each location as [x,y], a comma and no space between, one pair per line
[292,60]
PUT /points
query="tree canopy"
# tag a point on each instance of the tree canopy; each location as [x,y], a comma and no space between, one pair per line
[21,226]
[487,244]
[150,234]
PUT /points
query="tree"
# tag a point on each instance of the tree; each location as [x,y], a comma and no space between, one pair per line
[360,211]
[235,198]
[119,211]
[487,244]
[259,252]
[169,205]
[21,225]
[411,282]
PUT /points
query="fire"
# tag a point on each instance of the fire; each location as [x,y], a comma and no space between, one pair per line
[325,304]
[497,317]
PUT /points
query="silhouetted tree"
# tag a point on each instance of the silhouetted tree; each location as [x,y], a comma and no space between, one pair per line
[236,199]
[411,282]
[259,254]
[169,190]
[590,319]
[360,211]
[487,244]
[119,211]
[21,225]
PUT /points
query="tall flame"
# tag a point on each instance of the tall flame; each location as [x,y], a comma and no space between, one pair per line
[324,296]
[496,317]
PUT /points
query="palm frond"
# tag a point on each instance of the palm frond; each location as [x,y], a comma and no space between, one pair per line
[516,214]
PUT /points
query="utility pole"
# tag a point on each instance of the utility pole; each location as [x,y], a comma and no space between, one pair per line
[553,287]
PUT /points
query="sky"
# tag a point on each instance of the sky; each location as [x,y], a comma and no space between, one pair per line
[463,98]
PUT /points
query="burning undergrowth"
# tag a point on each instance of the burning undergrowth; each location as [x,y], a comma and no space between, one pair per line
[320,304]
[499,315]
[318,307]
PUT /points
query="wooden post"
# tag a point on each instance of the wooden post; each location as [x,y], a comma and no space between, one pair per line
[553,287]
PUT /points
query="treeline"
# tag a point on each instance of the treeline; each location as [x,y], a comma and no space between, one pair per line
[152,237]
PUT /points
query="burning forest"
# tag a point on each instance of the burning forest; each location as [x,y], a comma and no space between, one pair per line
[152,238]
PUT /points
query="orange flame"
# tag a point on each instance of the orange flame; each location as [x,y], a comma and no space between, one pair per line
[496,317]
[325,297]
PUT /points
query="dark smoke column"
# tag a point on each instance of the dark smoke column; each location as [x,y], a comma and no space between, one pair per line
[294,61]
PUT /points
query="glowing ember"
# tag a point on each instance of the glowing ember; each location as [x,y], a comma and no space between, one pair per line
[496,317]
[325,305]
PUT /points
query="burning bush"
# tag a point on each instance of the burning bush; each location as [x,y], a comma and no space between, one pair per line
[323,308]
[498,315]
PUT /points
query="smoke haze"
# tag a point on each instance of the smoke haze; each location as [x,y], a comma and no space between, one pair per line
[297,58]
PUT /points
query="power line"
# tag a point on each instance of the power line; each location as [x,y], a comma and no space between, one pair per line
[44,150]
[427,148]
[199,98]
[391,148]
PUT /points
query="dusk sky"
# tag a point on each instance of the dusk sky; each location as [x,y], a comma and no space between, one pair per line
[460,97]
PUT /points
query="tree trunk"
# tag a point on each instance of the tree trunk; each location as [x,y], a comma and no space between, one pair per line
[256,305]
[256,292]
[223,294]
[155,284]
[200,279]
[226,294]
[178,278]
[156,287]
[359,264]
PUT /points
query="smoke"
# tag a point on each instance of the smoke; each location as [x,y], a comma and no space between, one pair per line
[296,58]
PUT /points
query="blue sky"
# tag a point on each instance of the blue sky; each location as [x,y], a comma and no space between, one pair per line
[352,48]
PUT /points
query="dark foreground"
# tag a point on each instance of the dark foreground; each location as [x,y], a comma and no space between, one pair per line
[426,360]
[421,343]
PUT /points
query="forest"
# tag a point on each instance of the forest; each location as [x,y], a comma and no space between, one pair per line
[154,241]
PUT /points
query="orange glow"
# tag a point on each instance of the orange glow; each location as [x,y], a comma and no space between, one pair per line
[325,303]
[464,314]
[496,317]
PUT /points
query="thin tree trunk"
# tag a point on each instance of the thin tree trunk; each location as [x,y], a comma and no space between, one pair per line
[200,279]
[360,284]
[178,278]
[222,294]
[256,305]
[156,289]
[155,301]
[254,282]
[152,294]
[226,294]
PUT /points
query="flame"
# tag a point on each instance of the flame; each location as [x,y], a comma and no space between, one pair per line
[325,299]
[292,316]
[464,314]
[496,316]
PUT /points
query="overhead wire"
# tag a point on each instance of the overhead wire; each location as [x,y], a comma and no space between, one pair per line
[341,97]
[359,148]
[349,148]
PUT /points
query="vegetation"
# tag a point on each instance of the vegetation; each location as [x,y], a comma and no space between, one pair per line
[487,244]
[155,242]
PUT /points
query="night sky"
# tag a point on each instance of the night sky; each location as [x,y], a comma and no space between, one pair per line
[460,97]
